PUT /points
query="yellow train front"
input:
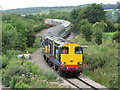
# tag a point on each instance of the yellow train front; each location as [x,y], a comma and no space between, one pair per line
[64,56]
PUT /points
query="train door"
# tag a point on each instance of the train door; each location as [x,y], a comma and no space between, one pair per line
[56,53]
[47,47]
[43,44]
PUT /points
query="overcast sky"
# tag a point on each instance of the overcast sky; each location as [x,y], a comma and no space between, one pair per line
[12,4]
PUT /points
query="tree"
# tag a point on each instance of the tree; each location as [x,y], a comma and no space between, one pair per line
[94,13]
[98,31]
[83,22]
[110,27]
[74,14]
[9,37]
[98,37]
[87,31]
[30,38]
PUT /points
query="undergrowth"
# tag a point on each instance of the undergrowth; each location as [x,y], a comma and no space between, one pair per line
[21,73]
[101,61]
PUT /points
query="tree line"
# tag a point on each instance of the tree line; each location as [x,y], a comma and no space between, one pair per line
[25,11]
[18,32]
[91,21]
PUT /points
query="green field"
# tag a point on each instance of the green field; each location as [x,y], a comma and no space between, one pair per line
[109,34]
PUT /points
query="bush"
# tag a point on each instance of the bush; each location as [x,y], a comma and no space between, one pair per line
[87,31]
[116,37]
[5,61]
[21,85]
[101,64]
[40,28]
[31,50]
[37,43]
[98,37]
[50,75]
[11,53]
[13,81]
[34,69]
[12,69]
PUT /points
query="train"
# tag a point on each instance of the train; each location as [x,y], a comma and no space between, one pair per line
[62,55]
[61,28]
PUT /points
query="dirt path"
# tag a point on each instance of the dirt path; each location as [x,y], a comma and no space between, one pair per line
[37,58]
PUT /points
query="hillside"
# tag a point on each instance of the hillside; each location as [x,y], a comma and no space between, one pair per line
[41,10]
[46,10]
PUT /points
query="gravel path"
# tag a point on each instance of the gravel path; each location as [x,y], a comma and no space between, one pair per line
[38,59]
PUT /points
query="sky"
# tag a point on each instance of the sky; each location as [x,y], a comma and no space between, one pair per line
[13,4]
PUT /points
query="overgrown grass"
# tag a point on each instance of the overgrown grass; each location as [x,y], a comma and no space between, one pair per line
[21,73]
[101,62]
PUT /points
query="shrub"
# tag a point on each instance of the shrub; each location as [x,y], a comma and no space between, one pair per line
[40,27]
[101,64]
[5,61]
[21,85]
[37,43]
[98,37]
[11,70]
[50,75]
[13,80]
[116,37]
[87,31]
[31,50]
[34,69]
[11,53]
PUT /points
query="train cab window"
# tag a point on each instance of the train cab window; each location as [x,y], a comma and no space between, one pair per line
[78,50]
[64,50]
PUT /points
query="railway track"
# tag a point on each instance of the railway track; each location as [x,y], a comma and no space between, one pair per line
[80,82]
[84,83]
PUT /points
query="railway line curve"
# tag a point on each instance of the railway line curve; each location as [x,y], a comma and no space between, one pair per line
[62,29]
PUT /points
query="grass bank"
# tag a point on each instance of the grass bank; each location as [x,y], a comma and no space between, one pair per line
[101,61]
[21,73]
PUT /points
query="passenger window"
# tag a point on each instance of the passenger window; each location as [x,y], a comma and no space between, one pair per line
[78,50]
[64,50]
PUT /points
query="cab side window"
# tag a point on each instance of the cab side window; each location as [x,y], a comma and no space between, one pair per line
[78,50]
[64,50]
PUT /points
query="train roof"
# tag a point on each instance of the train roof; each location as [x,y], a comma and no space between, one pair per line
[63,22]
[59,41]
[53,31]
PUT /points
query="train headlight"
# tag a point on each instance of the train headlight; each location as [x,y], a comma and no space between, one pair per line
[79,62]
[63,62]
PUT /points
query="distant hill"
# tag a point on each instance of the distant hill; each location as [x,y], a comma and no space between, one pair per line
[41,10]
[46,10]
